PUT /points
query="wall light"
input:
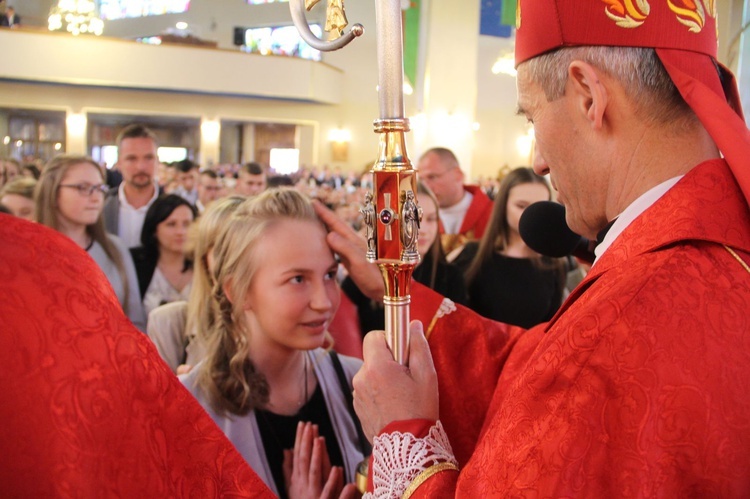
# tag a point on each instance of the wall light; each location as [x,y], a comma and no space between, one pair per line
[181,25]
[6,140]
[339,139]
[339,135]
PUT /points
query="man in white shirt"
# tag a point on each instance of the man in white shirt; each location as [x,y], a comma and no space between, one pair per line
[125,208]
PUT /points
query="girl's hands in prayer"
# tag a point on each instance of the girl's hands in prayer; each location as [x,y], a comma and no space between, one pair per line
[308,472]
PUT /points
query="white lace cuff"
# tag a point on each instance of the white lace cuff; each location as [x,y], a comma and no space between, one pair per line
[398,458]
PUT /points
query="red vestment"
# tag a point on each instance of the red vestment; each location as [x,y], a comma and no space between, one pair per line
[474,223]
[88,407]
[638,387]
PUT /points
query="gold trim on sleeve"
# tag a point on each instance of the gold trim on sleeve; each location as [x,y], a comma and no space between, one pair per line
[737,257]
[425,475]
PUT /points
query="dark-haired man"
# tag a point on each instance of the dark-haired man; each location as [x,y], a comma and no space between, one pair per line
[187,180]
[126,206]
[251,180]
[209,189]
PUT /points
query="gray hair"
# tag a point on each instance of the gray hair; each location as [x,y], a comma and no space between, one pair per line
[639,71]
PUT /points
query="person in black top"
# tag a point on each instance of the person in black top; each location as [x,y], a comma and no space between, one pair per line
[432,271]
[507,281]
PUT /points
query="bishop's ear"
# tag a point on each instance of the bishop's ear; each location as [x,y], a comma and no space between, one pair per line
[585,83]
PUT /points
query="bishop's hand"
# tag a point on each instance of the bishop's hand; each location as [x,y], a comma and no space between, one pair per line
[385,391]
[352,249]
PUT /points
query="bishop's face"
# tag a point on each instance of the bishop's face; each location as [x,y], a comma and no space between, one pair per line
[568,146]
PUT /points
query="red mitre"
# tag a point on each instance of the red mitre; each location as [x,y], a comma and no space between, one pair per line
[683,32]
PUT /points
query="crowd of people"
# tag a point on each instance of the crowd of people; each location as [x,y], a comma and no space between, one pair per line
[148,211]
[634,387]
[186,250]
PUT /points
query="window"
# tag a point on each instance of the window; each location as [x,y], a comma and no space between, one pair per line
[119,9]
[284,161]
[280,40]
[36,135]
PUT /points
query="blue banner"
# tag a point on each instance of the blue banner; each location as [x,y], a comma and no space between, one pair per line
[490,19]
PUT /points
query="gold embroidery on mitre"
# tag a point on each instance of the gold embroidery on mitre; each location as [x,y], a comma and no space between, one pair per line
[713,11]
[690,13]
[710,7]
[518,14]
[627,13]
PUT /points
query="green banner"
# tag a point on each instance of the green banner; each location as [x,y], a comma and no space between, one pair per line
[508,14]
[411,40]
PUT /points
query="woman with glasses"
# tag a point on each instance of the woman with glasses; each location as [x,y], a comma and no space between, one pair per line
[69,198]
[164,271]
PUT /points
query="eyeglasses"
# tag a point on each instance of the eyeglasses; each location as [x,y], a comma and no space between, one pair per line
[88,189]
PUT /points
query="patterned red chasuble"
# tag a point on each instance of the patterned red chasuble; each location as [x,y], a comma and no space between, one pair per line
[637,388]
[88,407]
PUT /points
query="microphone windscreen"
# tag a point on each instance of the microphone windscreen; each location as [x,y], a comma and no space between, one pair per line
[543,228]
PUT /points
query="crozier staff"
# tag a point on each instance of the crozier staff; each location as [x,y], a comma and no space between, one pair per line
[607,399]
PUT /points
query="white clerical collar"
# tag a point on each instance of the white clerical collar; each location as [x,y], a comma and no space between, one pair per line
[632,212]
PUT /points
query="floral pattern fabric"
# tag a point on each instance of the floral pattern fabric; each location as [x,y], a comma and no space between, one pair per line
[88,408]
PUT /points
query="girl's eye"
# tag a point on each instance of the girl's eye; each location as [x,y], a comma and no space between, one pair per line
[331,274]
[297,279]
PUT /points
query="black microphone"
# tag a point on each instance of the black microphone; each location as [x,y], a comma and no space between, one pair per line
[543,228]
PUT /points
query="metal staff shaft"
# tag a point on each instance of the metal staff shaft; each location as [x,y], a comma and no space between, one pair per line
[391,213]
[390,59]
